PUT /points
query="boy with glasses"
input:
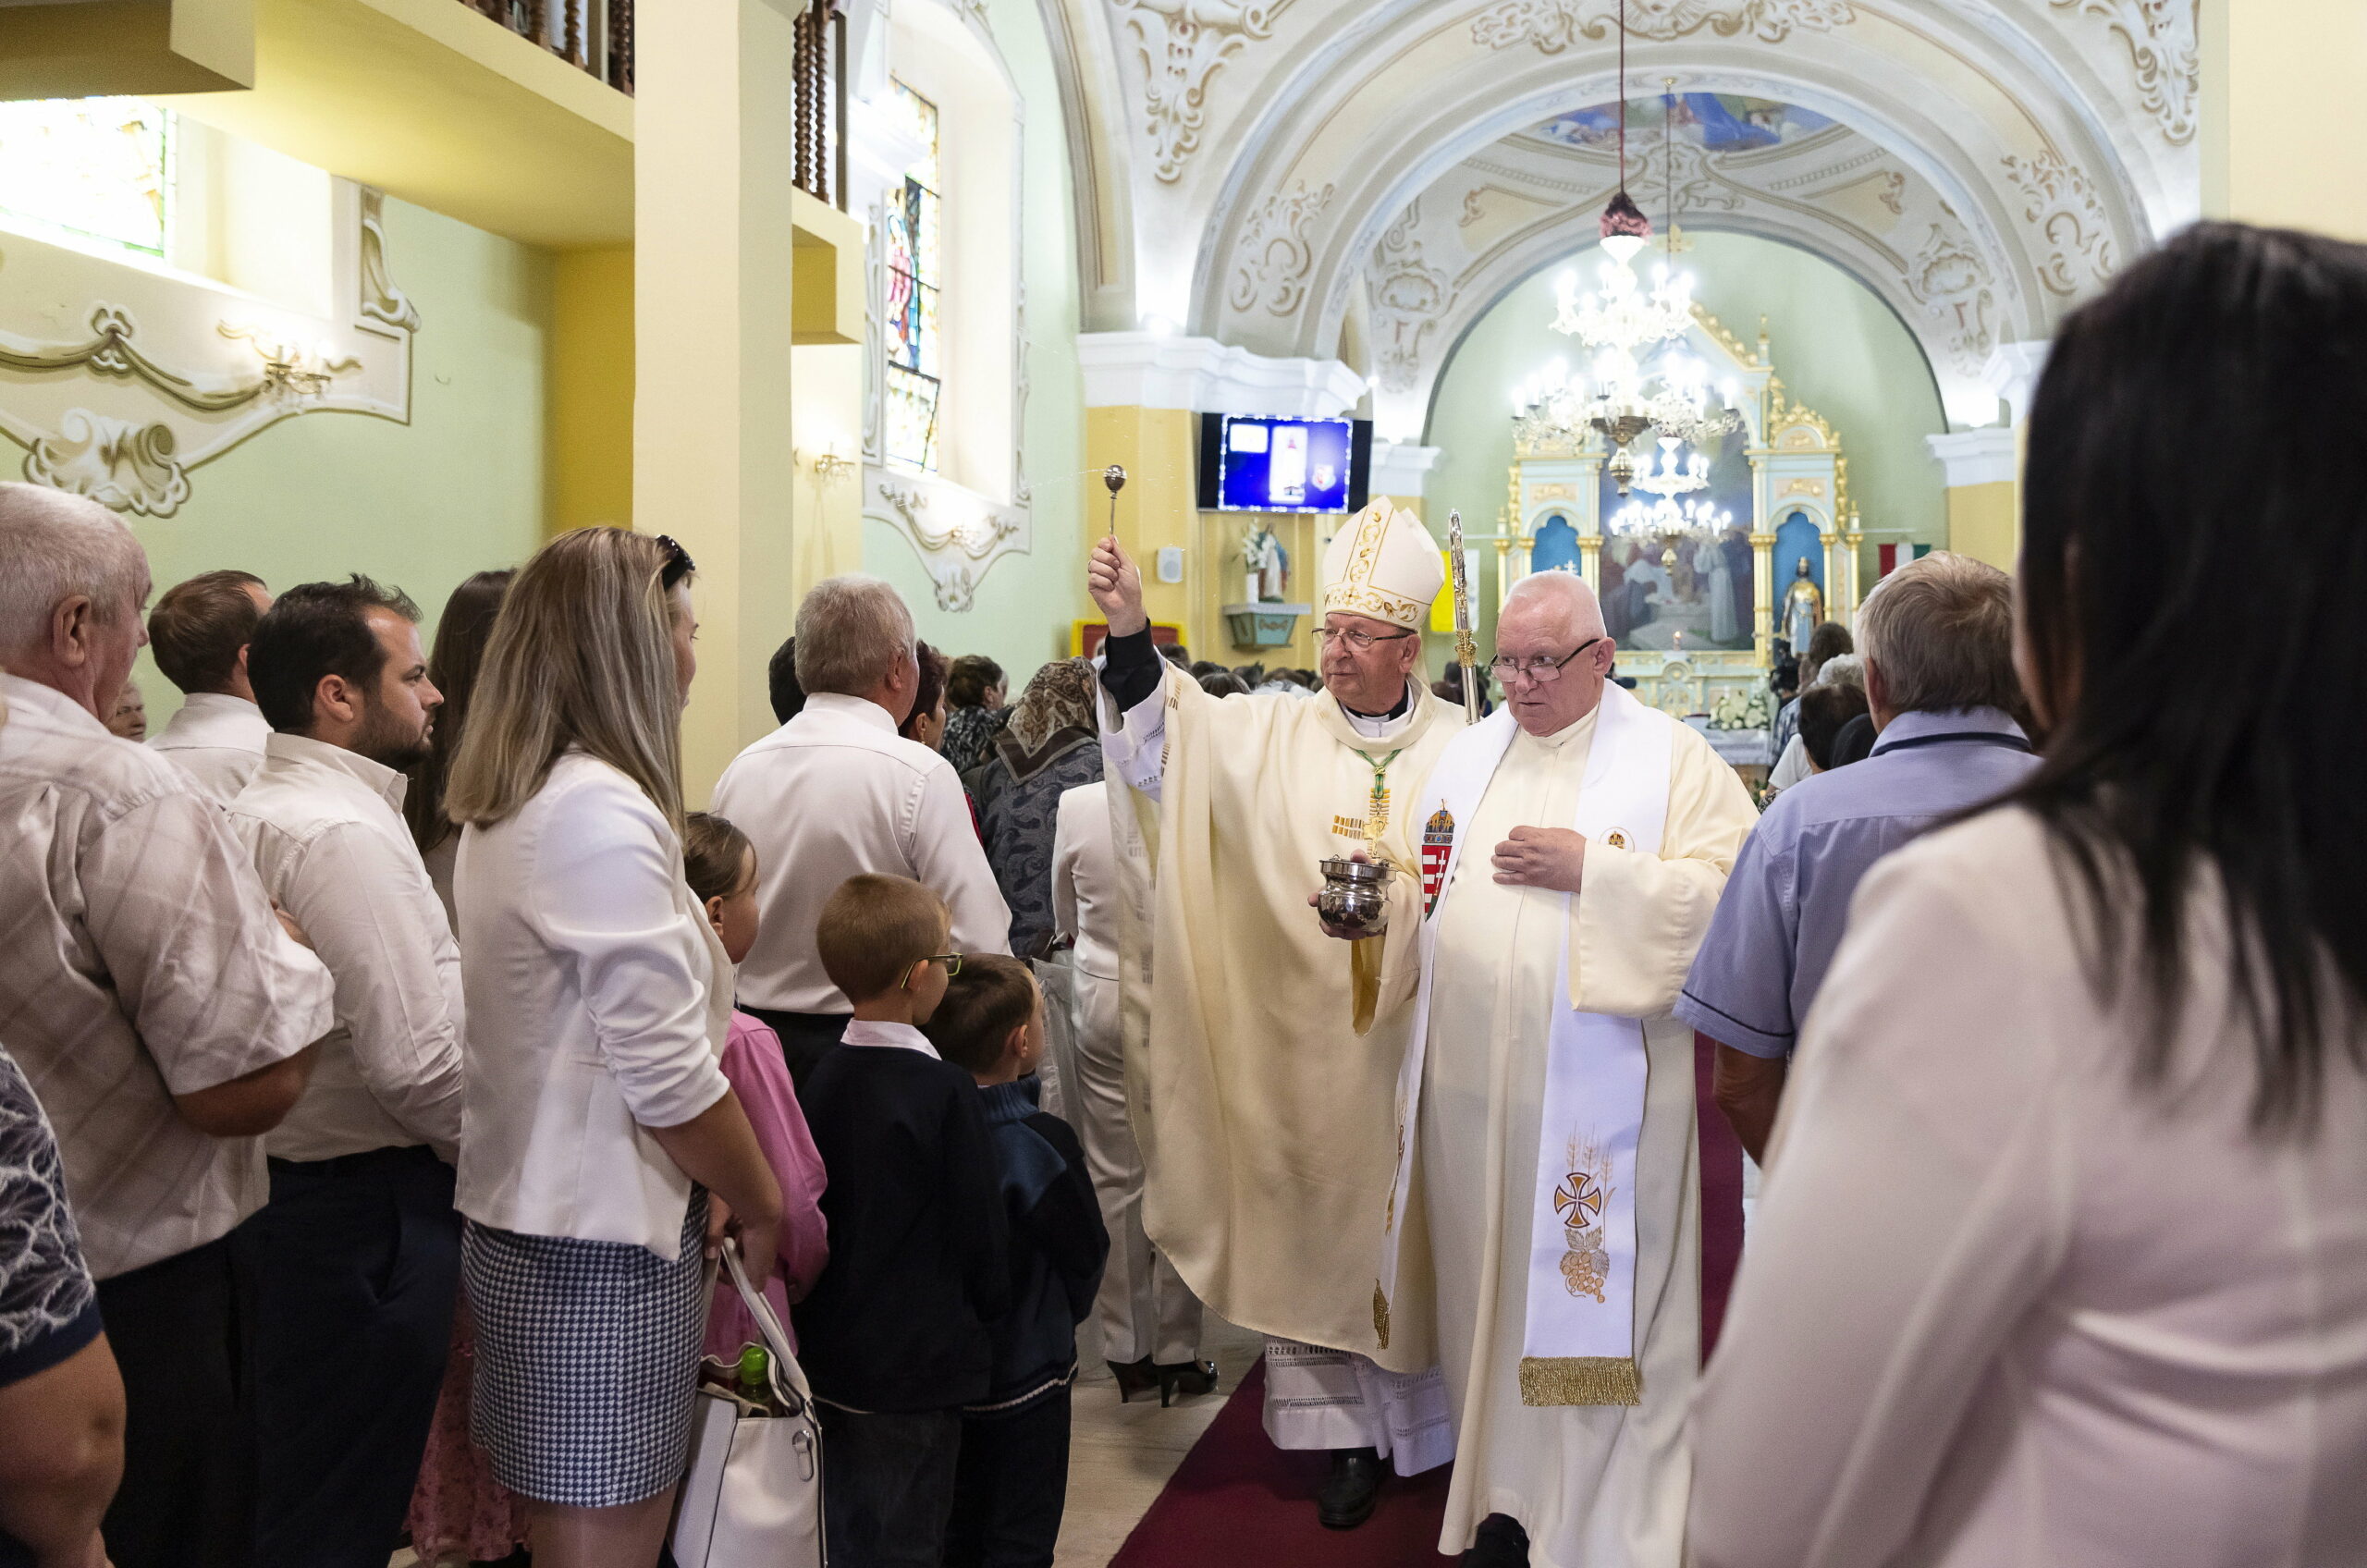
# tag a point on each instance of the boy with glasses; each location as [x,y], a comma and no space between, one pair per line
[894,1337]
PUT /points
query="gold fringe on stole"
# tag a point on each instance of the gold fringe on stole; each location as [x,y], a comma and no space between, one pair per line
[1364,972]
[1380,1315]
[1580,1379]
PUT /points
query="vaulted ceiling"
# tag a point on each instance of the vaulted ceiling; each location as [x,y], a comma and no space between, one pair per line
[1268,172]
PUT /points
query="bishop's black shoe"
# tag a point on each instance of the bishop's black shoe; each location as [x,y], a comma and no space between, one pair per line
[1499,1543]
[1351,1492]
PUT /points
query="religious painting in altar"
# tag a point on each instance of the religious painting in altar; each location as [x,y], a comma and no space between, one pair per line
[1688,588]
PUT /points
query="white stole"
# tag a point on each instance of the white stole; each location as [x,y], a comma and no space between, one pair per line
[1579,1344]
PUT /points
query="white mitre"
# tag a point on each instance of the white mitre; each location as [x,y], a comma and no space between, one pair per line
[1385,565]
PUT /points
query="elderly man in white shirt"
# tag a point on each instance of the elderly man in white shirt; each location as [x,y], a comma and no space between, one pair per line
[357,1258]
[836,793]
[197,633]
[156,1007]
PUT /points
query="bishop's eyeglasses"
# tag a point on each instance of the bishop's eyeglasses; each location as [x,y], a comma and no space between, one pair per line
[1357,636]
[1539,669]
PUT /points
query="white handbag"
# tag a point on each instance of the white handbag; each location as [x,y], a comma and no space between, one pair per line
[753,1495]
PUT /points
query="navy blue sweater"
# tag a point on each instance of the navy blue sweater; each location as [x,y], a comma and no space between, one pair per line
[918,1267]
[1057,1247]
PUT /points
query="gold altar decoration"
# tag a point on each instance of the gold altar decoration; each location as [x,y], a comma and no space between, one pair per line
[1797,468]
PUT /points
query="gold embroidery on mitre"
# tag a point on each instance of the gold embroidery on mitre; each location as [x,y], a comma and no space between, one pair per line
[1580,1380]
[1354,593]
[1379,1315]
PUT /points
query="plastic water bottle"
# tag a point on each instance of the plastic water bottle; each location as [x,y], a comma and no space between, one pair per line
[756,1378]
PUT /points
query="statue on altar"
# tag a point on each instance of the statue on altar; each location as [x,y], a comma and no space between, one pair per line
[1803,608]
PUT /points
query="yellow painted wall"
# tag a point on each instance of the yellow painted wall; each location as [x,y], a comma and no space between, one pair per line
[1156,509]
[1984,521]
[2282,112]
[589,441]
[825,418]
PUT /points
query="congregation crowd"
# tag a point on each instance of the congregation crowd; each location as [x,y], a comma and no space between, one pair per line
[386,1054]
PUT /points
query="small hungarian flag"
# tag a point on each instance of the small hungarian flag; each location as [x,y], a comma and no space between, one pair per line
[1893,557]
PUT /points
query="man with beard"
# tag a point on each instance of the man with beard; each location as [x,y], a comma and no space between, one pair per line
[355,1261]
[1262,1058]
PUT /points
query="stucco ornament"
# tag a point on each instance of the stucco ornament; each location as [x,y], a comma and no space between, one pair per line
[1408,296]
[2062,204]
[1276,253]
[1552,26]
[124,467]
[2163,59]
[1183,44]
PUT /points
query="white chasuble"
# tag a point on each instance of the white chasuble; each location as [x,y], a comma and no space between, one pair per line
[1266,1116]
[1484,1233]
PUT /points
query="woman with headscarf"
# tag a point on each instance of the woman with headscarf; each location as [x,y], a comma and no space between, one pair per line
[975,714]
[1049,746]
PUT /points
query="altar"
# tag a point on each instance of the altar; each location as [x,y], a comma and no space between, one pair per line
[1696,612]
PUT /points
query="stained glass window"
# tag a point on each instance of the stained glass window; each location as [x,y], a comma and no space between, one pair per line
[96,168]
[915,370]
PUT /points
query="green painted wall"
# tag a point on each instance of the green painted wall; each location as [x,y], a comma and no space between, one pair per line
[1836,346]
[1021,613]
[421,504]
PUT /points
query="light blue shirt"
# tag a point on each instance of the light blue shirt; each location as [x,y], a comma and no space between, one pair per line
[1786,905]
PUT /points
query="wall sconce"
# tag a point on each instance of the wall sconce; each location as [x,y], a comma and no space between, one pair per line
[827,464]
[290,368]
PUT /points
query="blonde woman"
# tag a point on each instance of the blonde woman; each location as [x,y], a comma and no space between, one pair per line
[603,1148]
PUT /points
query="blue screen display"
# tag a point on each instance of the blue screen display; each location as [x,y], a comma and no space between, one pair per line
[1284,465]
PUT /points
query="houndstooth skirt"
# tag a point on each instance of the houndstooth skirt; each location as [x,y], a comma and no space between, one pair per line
[586,1356]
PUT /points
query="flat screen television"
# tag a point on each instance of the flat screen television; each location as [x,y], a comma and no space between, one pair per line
[1257,464]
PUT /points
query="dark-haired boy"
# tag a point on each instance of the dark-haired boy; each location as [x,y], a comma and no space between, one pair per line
[894,1336]
[1013,1479]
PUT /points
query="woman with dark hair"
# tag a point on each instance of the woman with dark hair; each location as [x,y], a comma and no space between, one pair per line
[461,632]
[2062,1255]
[1051,746]
[975,714]
[925,723]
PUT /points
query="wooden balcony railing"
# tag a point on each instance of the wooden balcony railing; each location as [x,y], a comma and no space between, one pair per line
[592,35]
[597,36]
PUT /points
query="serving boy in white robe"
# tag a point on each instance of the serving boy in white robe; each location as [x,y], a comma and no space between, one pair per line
[1548,1252]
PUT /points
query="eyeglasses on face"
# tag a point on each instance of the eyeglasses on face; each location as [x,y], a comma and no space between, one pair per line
[1356,637]
[1539,669]
[952,963]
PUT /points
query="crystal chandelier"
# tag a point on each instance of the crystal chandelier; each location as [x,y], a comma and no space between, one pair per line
[1623,322]
[1667,516]
[1672,478]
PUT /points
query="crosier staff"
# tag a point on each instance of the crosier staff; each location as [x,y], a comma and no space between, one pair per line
[1466,651]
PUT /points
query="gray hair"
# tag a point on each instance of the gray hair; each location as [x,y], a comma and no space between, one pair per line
[851,633]
[1941,629]
[1841,670]
[1585,610]
[53,547]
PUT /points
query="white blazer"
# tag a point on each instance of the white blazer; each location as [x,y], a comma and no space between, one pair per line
[596,1012]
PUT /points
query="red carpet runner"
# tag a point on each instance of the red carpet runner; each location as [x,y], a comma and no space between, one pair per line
[1239,1501]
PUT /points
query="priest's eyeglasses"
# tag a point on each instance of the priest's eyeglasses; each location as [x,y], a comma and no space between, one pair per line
[1357,637]
[1539,669]
[952,963]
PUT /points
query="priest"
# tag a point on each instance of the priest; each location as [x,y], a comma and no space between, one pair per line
[1262,1059]
[1542,1236]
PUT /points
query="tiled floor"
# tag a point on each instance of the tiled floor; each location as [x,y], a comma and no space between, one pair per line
[1119,1455]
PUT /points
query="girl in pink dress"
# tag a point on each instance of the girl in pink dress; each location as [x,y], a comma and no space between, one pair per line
[721,867]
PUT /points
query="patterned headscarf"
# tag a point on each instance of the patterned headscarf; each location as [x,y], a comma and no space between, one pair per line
[1059,697]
